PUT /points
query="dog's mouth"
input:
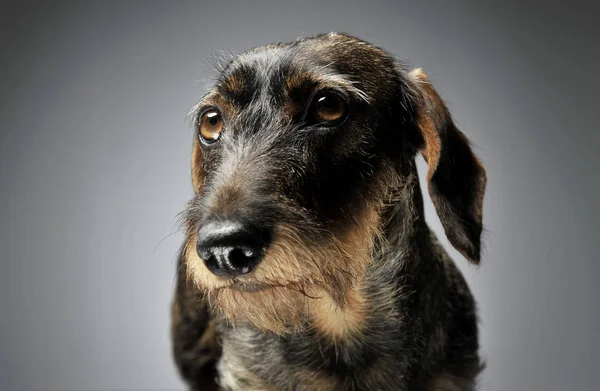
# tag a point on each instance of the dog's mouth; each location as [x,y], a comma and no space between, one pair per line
[248,287]
[257,287]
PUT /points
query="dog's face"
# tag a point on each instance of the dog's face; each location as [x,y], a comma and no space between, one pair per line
[298,149]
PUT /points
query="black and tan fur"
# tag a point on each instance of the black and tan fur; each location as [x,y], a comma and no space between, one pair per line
[354,292]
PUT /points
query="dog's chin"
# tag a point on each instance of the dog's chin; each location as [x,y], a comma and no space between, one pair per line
[271,308]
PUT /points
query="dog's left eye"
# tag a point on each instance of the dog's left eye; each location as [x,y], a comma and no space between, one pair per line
[327,109]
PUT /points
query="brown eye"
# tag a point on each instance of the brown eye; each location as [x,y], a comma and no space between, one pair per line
[211,126]
[329,109]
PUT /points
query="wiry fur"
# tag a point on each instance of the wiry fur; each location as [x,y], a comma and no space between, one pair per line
[354,292]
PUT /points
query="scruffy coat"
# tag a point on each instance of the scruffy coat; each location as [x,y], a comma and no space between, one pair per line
[354,291]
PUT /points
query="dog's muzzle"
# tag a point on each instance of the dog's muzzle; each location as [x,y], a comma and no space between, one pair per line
[231,248]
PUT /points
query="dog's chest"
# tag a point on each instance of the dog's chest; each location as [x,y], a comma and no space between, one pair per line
[252,361]
[235,372]
[246,358]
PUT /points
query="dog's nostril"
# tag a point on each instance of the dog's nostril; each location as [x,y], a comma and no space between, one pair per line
[240,259]
[231,248]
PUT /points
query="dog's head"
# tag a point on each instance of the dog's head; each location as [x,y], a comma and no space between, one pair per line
[298,148]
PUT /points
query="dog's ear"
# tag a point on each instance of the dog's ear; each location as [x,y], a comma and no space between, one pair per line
[197,170]
[456,179]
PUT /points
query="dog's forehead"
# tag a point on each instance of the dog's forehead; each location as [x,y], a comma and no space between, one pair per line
[332,51]
[332,60]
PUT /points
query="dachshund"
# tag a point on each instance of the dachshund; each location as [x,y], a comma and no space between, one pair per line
[307,262]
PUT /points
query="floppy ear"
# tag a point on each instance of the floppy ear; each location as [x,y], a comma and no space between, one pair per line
[197,170]
[456,179]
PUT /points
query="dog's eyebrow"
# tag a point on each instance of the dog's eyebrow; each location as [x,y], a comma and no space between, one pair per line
[210,95]
[330,78]
[344,82]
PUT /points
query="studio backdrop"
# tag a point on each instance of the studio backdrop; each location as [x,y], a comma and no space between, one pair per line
[94,169]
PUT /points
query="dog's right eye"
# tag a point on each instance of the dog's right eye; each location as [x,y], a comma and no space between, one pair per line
[211,126]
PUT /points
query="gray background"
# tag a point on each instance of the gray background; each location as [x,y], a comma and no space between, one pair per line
[94,168]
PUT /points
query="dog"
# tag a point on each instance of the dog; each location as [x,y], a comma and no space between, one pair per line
[308,264]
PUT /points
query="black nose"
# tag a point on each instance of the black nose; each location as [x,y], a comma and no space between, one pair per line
[230,248]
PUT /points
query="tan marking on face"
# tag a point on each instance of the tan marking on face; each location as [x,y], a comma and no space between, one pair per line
[278,308]
[234,83]
[196,270]
[292,83]
[345,316]
[302,280]
[197,170]
[214,98]
[296,80]
[340,322]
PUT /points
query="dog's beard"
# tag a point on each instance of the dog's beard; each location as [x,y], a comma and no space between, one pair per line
[277,309]
[287,286]
[295,280]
